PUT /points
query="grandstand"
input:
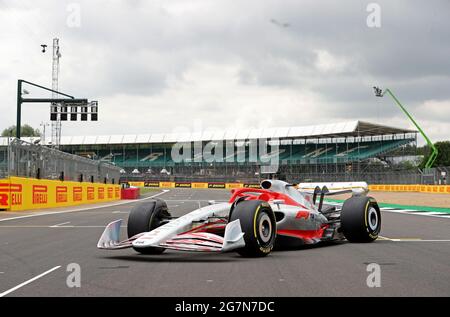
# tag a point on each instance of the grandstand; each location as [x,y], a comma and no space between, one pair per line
[328,151]
[347,147]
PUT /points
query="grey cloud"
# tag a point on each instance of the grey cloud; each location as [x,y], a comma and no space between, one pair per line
[137,48]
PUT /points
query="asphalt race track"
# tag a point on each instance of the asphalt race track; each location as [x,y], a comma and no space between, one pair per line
[414,257]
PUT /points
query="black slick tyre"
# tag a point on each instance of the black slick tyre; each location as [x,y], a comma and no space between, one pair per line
[258,225]
[361,219]
[146,217]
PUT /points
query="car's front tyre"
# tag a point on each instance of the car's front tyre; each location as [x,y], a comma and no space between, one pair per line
[146,217]
[258,225]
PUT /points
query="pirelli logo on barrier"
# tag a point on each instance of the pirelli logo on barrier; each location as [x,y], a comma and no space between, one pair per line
[199,185]
[10,195]
[216,185]
[40,194]
[167,184]
[16,193]
[151,184]
[183,185]
[251,185]
[233,185]
[110,192]
[117,192]
[61,194]
[101,193]
[90,193]
[78,193]
[136,184]
[4,195]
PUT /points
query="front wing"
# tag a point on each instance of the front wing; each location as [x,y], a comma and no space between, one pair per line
[195,241]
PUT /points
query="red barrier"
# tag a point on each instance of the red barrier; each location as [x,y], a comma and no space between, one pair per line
[131,193]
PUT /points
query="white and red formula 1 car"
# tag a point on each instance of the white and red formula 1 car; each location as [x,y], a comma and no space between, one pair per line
[253,221]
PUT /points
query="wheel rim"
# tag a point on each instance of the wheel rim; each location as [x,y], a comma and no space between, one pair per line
[373,219]
[265,228]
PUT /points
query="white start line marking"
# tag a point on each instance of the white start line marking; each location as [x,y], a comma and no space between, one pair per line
[29,281]
[60,224]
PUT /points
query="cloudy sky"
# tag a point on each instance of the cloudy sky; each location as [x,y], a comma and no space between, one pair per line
[164,66]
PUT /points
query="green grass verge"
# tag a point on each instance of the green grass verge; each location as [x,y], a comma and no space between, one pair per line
[146,190]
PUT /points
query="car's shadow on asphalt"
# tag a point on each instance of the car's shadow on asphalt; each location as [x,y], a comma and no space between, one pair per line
[300,247]
[180,258]
[324,244]
[175,257]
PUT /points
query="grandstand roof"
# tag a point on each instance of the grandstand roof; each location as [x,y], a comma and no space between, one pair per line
[343,129]
[4,140]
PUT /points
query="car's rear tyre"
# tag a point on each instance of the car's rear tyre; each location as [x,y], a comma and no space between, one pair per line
[258,225]
[361,219]
[146,217]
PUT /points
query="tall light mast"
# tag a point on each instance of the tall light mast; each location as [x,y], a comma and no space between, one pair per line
[56,125]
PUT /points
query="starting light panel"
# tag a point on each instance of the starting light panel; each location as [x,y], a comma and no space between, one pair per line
[53,112]
[63,115]
[73,113]
[84,115]
[65,111]
[94,111]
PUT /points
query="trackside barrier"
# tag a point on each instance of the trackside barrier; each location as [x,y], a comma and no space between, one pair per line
[435,189]
[17,193]
[5,203]
[199,185]
[137,184]
[438,189]
[196,185]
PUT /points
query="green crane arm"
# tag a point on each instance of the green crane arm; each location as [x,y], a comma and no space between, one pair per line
[434,150]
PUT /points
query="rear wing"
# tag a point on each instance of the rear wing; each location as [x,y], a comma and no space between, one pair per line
[336,188]
[328,189]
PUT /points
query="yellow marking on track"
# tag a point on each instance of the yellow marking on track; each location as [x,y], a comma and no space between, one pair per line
[412,239]
[405,239]
[399,239]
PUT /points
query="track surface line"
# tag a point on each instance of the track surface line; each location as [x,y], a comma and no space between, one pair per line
[29,281]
